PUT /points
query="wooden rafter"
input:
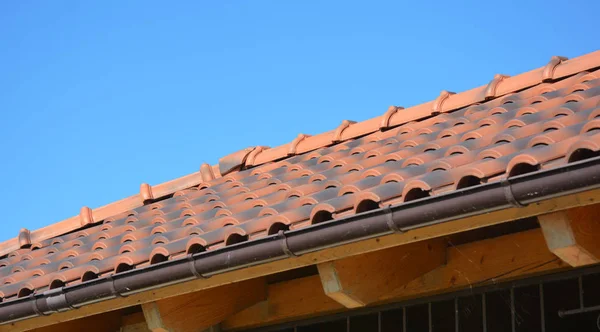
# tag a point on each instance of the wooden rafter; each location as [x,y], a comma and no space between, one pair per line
[360,280]
[473,264]
[573,235]
[202,310]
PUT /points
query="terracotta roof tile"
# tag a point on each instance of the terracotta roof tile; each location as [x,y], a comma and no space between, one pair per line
[512,125]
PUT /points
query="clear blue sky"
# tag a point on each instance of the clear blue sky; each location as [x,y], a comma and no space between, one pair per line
[97,97]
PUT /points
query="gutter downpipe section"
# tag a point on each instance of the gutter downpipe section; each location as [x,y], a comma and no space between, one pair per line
[516,191]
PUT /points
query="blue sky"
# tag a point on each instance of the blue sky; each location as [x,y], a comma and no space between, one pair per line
[97,97]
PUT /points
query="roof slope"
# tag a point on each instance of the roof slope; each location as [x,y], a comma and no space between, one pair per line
[537,120]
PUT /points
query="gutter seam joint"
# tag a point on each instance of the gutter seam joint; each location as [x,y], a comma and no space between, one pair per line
[284,244]
[508,194]
[389,216]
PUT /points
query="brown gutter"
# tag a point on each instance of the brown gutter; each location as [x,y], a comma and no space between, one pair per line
[515,192]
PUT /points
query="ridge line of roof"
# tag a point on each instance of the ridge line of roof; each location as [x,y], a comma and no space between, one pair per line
[501,85]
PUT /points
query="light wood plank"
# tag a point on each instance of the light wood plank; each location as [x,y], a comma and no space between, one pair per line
[108,321]
[135,322]
[360,280]
[153,317]
[473,264]
[573,235]
[203,310]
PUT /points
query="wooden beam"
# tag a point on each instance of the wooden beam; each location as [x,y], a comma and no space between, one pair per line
[573,235]
[135,322]
[287,300]
[203,310]
[325,255]
[473,264]
[153,317]
[214,328]
[361,280]
[108,321]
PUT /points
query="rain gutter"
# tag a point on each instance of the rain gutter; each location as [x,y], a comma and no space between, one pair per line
[516,191]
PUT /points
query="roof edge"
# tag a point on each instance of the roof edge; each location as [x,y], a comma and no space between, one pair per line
[517,192]
[557,68]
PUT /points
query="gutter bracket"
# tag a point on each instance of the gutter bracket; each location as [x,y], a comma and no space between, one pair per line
[58,303]
[508,194]
[35,306]
[56,300]
[113,289]
[389,217]
[192,266]
[284,244]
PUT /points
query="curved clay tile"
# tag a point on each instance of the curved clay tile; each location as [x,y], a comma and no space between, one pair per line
[572,98]
[579,87]
[294,144]
[509,100]
[85,216]
[496,111]
[591,125]
[555,124]
[65,265]
[187,213]
[234,162]
[412,161]
[195,245]
[122,264]
[275,227]
[206,173]
[126,249]
[471,135]
[305,201]
[589,144]
[190,221]
[337,136]
[439,102]
[440,165]
[522,159]
[514,123]
[489,122]
[128,238]
[364,201]
[340,147]
[412,184]
[251,158]
[492,87]
[158,255]
[235,235]
[146,192]
[321,212]
[467,173]
[193,231]
[489,154]
[221,212]
[586,77]
[326,159]
[158,230]
[90,273]
[388,190]
[315,178]
[24,238]
[424,131]
[548,71]
[385,119]
[562,111]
